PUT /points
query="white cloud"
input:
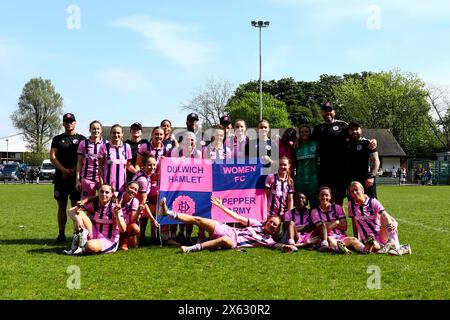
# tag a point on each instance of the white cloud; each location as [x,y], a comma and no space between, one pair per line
[170,39]
[124,80]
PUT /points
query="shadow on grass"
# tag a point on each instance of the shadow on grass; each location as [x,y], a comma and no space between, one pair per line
[48,245]
[42,242]
[56,250]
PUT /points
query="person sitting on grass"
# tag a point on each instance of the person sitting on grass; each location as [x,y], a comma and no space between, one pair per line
[298,228]
[333,216]
[131,211]
[373,224]
[102,233]
[223,236]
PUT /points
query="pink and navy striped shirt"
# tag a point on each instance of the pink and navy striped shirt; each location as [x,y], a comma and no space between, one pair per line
[144,181]
[366,216]
[128,208]
[90,151]
[301,218]
[334,212]
[211,153]
[253,235]
[114,164]
[104,220]
[156,153]
[277,200]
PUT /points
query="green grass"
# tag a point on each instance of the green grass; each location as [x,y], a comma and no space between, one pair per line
[32,267]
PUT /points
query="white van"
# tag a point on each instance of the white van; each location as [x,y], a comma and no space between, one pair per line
[47,170]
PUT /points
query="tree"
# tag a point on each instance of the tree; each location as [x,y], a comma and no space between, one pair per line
[390,100]
[439,100]
[39,113]
[247,108]
[210,101]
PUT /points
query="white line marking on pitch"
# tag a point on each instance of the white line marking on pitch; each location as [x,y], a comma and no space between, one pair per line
[420,225]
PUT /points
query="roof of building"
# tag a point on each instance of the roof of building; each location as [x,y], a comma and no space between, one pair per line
[387,145]
[15,143]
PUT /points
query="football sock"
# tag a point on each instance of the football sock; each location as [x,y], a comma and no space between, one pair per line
[172,214]
[195,247]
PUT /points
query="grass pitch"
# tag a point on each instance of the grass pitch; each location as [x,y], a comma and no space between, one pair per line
[32,266]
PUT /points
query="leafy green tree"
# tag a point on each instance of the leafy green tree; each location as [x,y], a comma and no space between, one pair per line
[247,108]
[390,100]
[39,113]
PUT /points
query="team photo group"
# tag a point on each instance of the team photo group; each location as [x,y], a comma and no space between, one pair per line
[116,204]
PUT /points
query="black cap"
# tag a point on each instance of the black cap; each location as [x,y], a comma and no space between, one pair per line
[191,116]
[225,120]
[354,124]
[136,125]
[327,106]
[69,117]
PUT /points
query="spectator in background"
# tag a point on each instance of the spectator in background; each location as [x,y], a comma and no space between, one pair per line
[63,155]
[403,175]
[394,172]
[429,177]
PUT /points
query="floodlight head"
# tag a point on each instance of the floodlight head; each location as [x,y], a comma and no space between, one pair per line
[254,23]
[260,23]
[266,23]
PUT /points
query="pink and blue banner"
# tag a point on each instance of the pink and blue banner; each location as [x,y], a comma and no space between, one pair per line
[188,185]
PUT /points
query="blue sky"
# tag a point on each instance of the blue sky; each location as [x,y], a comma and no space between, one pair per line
[141,60]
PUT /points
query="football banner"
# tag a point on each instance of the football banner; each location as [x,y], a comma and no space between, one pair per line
[188,185]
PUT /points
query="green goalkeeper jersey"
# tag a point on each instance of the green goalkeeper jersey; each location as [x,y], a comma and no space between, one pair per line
[307,166]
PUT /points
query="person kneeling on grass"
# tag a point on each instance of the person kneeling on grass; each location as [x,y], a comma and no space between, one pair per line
[225,237]
[372,224]
[102,233]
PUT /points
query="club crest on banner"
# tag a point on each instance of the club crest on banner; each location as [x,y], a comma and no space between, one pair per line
[184,204]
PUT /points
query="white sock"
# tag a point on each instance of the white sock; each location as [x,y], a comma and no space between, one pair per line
[172,214]
[394,237]
[195,247]
[324,243]
[291,242]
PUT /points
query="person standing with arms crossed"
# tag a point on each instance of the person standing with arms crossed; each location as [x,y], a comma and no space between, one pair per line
[63,155]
